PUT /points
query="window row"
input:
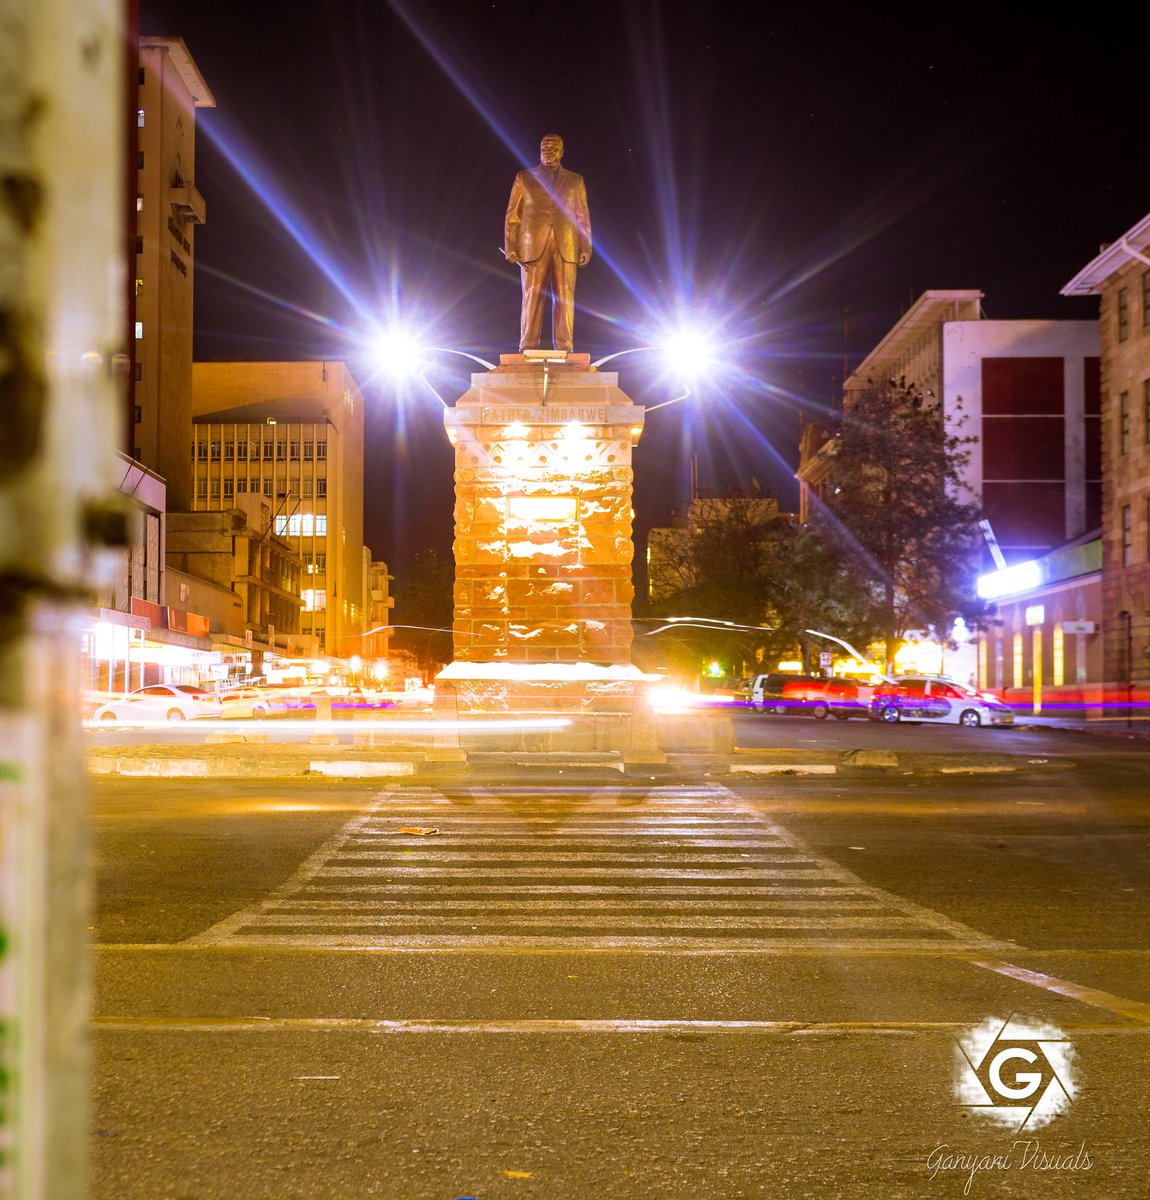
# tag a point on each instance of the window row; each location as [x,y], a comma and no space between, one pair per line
[1128,534]
[229,488]
[269,451]
[1124,418]
[302,525]
[315,564]
[1122,307]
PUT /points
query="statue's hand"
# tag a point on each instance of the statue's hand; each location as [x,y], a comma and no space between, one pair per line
[584,259]
[513,258]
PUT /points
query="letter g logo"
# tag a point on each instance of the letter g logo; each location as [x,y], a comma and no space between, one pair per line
[1029,1080]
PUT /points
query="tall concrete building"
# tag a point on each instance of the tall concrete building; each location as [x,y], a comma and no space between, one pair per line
[1120,276]
[291,432]
[1027,391]
[168,208]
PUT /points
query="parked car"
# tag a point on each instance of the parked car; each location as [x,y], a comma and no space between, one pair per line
[779,692]
[246,702]
[845,698]
[161,702]
[937,699]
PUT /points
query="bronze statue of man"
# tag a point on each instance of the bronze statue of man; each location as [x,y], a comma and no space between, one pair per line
[547,234]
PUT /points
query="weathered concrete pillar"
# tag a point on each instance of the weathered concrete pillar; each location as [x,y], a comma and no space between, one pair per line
[62,228]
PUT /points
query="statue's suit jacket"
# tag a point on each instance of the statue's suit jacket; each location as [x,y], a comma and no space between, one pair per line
[536,206]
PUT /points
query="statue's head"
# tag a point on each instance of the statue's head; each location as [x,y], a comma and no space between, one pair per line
[551,150]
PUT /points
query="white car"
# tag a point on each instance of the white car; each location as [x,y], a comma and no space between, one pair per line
[161,702]
[245,702]
[935,699]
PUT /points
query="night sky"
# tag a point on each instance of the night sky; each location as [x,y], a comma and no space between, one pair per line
[789,176]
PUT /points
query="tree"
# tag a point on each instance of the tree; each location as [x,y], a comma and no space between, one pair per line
[425,604]
[894,495]
[737,559]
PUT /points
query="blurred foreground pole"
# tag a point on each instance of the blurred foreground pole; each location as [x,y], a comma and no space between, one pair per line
[61,305]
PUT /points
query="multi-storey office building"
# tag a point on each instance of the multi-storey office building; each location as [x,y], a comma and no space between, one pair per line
[1120,276]
[168,208]
[291,433]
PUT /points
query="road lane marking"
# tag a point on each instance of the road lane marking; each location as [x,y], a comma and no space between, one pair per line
[1136,1010]
[520,868]
[538,1025]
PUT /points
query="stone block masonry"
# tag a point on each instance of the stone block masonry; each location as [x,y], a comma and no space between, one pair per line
[543,514]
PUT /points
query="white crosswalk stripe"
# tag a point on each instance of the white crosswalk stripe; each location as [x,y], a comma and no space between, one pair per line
[684,868]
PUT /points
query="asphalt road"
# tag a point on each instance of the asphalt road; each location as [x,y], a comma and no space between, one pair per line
[586,988]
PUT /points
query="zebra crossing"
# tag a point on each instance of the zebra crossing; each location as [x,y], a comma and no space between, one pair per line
[682,868]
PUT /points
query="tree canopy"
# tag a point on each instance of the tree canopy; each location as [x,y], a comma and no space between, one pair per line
[897,512]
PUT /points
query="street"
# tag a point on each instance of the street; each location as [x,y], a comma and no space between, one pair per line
[593,986]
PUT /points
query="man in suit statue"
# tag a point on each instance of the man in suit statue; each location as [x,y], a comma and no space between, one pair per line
[547,234]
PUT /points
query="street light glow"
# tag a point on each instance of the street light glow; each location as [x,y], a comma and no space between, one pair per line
[398,352]
[689,353]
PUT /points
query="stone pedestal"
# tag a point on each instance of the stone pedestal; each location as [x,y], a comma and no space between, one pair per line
[543,513]
[543,556]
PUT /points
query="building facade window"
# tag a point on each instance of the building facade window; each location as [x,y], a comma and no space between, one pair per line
[201,489]
[267,487]
[307,488]
[215,452]
[229,489]
[229,451]
[269,451]
[1127,535]
[139,330]
[308,448]
[281,451]
[1146,297]
[1124,423]
[242,450]
[293,451]
[314,599]
[241,485]
[215,489]
[321,488]
[321,451]
[1122,303]
[202,451]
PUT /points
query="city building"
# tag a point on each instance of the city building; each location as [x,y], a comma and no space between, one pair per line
[1120,276]
[377,589]
[234,552]
[291,433]
[167,209]
[1038,646]
[135,636]
[1026,391]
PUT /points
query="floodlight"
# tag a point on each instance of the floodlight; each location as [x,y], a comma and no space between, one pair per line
[398,352]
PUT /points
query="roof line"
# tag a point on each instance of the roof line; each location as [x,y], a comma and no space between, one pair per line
[1110,260]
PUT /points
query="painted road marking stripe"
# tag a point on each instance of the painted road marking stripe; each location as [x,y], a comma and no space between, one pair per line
[490,850]
[583,920]
[575,904]
[536,1025]
[1136,1010]
[695,943]
[670,891]
[501,872]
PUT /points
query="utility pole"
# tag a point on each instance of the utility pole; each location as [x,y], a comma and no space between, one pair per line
[61,346]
